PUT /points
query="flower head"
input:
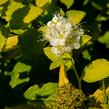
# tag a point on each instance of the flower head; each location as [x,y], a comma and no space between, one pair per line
[63,35]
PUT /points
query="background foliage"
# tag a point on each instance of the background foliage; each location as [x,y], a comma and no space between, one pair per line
[24,68]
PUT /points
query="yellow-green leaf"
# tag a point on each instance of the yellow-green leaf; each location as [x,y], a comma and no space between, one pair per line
[41,3]
[31,92]
[85,39]
[11,42]
[33,13]
[68,3]
[68,61]
[50,55]
[66,56]
[2,41]
[3,35]
[42,28]
[56,64]
[68,65]
[86,55]
[75,16]
[18,69]
[104,39]
[47,89]
[3,1]
[96,71]
[13,6]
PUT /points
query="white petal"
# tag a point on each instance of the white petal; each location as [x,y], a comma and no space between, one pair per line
[76,45]
[54,42]
[55,50]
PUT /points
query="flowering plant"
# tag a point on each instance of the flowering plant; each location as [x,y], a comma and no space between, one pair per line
[62,35]
[31,29]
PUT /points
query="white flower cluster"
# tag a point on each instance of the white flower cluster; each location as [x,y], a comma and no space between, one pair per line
[62,35]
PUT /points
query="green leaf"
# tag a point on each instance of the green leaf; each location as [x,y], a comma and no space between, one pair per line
[66,56]
[50,55]
[105,106]
[3,1]
[75,16]
[31,92]
[65,59]
[41,3]
[16,21]
[33,13]
[30,44]
[68,65]
[104,39]
[93,108]
[13,6]
[86,55]
[68,3]
[85,2]
[3,35]
[11,42]
[96,71]
[56,64]
[19,69]
[18,31]
[97,6]
[102,18]
[15,14]
[85,39]
[47,89]
[42,28]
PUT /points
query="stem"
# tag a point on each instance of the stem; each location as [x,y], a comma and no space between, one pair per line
[76,73]
[104,93]
[63,79]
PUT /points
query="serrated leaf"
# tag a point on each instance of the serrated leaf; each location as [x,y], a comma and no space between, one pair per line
[104,39]
[31,92]
[13,6]
[85,39]
[56,64]
[50,55]
[18,69]
[68,3]
[47,89]
[33,13]
[96,70]
[75,16]
[3,35]
[11,42]
[41,3]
